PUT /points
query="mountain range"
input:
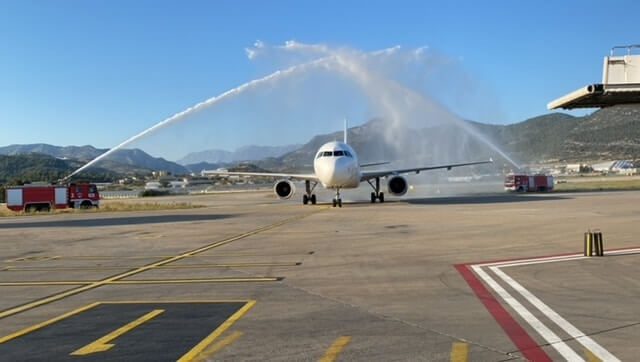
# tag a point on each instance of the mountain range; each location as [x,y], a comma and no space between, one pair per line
[121,161]
[245,153]
[607,134]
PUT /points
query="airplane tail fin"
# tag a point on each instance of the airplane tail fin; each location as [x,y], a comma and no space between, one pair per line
[346,129]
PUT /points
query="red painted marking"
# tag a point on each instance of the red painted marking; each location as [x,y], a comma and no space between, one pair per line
[523,341]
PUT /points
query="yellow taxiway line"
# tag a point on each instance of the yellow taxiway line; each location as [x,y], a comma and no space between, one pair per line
[144,281]
[200,347]
[55,297]
[336,348]
[115,267]
[459,352]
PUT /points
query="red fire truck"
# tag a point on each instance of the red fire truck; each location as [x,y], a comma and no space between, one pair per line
[30,198]
[528,183]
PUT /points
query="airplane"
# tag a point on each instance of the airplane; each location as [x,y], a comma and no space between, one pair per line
[336,167]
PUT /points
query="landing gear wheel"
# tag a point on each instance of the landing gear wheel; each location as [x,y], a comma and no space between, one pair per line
[339,202]
[381,197]
[305,199]
[373,197]
[313,199]
[335,202]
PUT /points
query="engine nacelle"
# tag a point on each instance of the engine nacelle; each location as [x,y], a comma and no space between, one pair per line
[284,189]
[397,186]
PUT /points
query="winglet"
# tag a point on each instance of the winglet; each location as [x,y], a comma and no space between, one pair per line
[345,129]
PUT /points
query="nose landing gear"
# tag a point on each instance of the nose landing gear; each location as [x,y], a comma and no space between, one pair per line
[337,201]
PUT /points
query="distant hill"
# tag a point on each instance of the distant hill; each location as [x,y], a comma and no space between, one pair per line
[245,153]
[200,166]
[118,161]
[39,167]
[609,133]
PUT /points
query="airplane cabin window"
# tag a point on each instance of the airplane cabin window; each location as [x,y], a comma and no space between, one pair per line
[338,153]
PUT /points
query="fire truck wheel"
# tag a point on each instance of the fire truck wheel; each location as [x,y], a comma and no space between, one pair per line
[85,205]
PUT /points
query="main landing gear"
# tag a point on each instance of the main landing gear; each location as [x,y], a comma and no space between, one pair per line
[309,196]
[376,188]
[337,201]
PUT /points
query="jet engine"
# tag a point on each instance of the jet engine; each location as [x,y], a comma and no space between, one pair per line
[284,189]
[397,185]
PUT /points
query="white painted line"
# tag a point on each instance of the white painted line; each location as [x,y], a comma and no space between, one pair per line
[546,333]
[550,259]
[516,261]
[534,262]
[574,332]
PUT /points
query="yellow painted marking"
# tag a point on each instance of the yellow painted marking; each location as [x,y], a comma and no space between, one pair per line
[143,281]
[217,347]
[591,357]
[459,352]
[35,327]
[45,283]
[34,258]
[190,266]
[187,301]
[336,348]
[197,350]
[102,344]
[84,288]
[135,257]
[190,281]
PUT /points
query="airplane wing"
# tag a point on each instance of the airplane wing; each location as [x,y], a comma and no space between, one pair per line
[367,175]
[294,176]
[374,164]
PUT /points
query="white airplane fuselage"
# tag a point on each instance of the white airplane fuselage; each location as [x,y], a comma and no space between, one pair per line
[336,166]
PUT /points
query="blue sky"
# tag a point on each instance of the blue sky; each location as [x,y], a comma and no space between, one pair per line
[97,72]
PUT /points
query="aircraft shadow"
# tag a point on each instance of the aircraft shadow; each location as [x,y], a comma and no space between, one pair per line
[115,221]
[483,199]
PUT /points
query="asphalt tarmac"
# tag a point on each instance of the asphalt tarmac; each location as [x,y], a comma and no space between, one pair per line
[488,277]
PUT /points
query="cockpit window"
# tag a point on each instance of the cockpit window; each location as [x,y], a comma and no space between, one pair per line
[327,154]
[338,153]
[319,155]
[347,153]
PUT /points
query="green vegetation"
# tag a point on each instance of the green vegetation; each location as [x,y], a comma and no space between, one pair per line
[26,168]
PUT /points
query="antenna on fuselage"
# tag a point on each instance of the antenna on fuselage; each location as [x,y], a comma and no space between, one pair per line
[346,128]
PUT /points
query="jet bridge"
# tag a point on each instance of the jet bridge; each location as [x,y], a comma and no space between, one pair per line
[620,83]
